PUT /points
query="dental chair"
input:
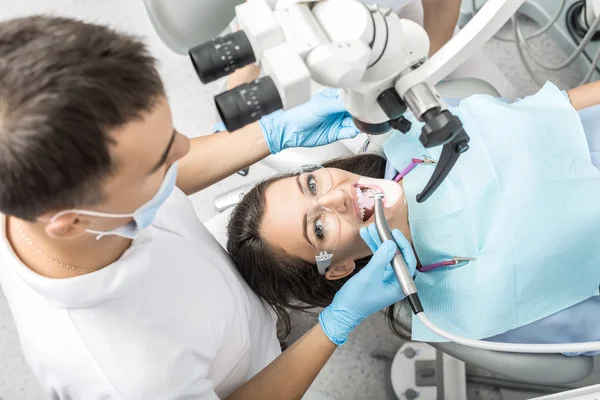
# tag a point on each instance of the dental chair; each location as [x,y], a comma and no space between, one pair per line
[541,369]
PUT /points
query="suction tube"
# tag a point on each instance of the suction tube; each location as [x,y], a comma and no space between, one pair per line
[410,290]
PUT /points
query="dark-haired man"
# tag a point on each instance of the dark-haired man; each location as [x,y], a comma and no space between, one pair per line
[118,291]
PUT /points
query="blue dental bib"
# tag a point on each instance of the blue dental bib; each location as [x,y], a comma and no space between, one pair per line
[523,201]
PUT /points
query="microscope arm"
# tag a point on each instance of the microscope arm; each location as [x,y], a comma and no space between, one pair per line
[416,88]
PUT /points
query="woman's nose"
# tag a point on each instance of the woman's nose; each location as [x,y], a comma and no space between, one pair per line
[335,200]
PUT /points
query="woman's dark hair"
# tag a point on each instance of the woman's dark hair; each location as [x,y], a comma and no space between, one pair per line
[282,281]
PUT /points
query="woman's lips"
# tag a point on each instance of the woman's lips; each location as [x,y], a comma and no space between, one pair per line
[391,190]
[367,203]
[356,206]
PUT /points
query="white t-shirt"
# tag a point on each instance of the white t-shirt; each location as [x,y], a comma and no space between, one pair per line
[172,319]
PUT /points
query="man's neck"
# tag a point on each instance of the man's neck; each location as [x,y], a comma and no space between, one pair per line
[61,259]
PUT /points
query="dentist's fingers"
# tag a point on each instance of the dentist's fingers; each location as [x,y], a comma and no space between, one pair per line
[374,235]
[406,250]
[366,237]
[381,258]
[346,133]
[330,102]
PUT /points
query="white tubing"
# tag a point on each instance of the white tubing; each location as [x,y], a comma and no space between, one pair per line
[522,43]
[534,35]
[583,347]
[580,48]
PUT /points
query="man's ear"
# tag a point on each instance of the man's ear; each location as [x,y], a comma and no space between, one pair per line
[66,226]
[340,270]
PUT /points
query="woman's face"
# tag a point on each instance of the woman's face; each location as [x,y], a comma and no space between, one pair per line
[290,200]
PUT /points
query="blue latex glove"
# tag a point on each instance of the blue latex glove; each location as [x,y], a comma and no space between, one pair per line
[371,238]
[320,121]
[374,288]
[219,127]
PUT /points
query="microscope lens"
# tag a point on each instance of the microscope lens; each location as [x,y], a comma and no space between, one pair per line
[248,103]
[372,129]
[221,56]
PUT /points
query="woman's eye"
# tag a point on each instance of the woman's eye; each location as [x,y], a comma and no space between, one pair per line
[319,229]
[311,182]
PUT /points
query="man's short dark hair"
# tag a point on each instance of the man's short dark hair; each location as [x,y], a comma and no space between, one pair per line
[64,86]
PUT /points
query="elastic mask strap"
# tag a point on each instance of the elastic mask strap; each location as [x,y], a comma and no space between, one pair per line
[91,214]
[101,234]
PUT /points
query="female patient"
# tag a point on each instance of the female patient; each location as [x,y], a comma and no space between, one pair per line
[507,241]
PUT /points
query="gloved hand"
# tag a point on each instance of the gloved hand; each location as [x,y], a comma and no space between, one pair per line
[371,238]
[320,121]
[219,127]
[374,288]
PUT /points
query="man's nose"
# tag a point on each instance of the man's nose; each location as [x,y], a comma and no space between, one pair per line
[334,200]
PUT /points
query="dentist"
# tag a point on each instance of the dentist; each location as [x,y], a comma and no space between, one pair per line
[117,290]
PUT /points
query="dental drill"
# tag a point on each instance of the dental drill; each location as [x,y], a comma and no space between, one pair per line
[410,290]
[402,273]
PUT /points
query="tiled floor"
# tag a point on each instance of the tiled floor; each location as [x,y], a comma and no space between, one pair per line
[352,373]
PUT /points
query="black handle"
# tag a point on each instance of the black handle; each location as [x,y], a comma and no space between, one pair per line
[442,128]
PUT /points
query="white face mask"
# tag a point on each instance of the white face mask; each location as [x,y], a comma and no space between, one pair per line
[142,217]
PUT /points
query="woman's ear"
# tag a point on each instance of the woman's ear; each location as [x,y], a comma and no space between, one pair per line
[340,270]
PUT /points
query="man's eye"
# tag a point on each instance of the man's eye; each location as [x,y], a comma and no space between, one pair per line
[311,182]
[319,229]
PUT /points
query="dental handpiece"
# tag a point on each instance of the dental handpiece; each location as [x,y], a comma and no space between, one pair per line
[402,273]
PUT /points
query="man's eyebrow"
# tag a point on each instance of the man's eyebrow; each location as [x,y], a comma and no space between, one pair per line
[305,220]
[165,154]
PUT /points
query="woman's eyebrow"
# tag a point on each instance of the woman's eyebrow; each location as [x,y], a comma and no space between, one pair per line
[305,228]
[305,220]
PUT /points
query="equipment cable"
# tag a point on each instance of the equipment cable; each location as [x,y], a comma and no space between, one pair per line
[523,46]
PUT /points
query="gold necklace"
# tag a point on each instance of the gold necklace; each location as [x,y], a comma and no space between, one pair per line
[46,256]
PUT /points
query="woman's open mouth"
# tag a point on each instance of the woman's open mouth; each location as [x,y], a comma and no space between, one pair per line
[365,204]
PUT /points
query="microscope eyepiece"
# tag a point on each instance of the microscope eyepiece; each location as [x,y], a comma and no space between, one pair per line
[248,103]
[221,56]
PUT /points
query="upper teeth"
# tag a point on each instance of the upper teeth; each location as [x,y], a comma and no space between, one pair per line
[361,201]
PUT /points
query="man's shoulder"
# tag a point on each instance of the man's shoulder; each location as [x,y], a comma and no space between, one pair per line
[177,214]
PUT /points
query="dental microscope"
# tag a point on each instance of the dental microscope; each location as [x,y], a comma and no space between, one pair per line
[379,61]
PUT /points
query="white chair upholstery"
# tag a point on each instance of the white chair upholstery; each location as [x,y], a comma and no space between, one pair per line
[217,226]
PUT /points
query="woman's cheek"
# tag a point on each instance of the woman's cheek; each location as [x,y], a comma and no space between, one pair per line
[351,244]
